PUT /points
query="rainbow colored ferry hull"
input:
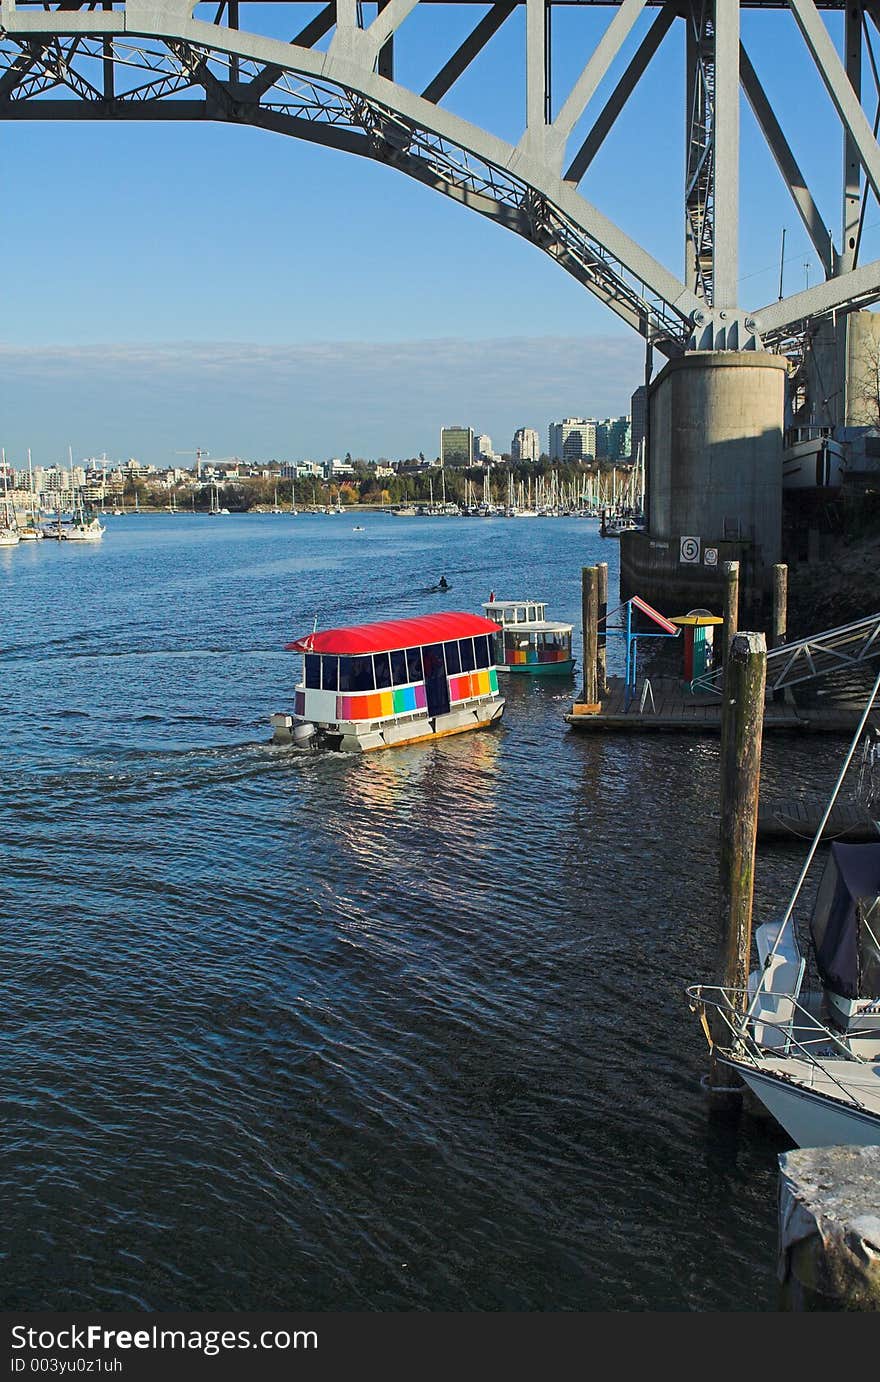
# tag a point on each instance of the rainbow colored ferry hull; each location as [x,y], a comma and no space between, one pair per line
[375,686]
[358,736]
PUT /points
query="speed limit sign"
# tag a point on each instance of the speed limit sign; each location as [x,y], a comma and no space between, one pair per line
[689,550]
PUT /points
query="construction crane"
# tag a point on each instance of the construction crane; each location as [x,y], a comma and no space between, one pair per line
[198,453]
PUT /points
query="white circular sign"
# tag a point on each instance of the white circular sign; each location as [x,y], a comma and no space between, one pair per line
[689,549]
[710,556]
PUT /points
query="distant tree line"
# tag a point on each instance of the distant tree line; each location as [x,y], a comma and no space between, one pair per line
[411,483]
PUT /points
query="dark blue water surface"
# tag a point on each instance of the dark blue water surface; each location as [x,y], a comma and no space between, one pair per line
[391,1032]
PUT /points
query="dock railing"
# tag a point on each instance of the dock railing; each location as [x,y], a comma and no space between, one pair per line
[808,658]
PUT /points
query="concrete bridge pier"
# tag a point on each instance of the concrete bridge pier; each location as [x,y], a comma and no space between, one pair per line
[714,483]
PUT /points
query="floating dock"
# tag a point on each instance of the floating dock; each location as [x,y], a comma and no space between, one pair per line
[666,705]
[798,818]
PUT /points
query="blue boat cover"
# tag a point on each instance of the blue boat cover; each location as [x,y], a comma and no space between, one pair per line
[845,924]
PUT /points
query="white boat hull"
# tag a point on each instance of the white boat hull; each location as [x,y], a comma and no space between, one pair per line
[353,737]
[813,1117]
[817,464]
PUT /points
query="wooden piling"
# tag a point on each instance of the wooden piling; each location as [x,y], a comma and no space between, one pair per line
[590,624]
[780,605]
[742,721]
[601,636]
[730,571]
[780,615]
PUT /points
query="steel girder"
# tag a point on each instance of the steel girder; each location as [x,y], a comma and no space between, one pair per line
[149,59]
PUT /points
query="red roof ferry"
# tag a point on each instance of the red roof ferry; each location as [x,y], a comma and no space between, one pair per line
[375,685]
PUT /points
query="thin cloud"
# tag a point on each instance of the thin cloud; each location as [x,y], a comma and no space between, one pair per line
[308,398]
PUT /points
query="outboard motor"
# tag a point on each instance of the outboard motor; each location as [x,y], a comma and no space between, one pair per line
[303,734]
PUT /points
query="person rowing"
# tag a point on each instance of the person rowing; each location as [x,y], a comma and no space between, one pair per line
[443,584]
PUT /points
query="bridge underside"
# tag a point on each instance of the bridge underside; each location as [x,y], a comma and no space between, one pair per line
[334,82]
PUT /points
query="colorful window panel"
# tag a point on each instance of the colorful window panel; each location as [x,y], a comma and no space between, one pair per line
[472,684]
[381,705]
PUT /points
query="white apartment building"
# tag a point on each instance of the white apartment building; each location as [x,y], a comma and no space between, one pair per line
[526,445]
[573,439]
[483,450]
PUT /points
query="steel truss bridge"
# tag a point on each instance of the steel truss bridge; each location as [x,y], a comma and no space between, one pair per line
[334,81]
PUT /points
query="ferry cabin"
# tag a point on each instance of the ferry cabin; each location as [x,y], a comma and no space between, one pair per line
[370,686]
[527,641]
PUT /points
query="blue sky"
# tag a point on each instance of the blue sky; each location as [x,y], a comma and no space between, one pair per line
[169,286]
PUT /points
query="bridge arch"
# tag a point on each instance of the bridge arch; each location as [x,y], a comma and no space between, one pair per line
[347,98]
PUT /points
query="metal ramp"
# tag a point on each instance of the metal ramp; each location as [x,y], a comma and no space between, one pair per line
[793,663]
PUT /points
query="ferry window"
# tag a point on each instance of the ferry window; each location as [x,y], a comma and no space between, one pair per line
[467,654]
[482,651]
[414,664]
[453,661]
[520,615]
[383,669]
[355,674]
[399,674]
[330,673]
[432,657]
[313,672]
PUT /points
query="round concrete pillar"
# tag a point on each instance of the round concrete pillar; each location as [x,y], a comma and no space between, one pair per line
[714,476]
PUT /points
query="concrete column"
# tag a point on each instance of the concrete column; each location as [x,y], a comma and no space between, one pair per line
[829,1229]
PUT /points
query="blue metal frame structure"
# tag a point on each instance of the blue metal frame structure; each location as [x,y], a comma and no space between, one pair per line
[632,640]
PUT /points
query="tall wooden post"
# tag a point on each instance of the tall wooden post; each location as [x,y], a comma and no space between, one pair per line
[780,605]
[601,636]
[780,614]
[590,621]
[742,722]
[730,571]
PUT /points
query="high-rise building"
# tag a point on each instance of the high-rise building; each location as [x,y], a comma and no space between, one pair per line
[573,439]
[526,445]
[483,450]
[638,411]
[456,445]
[613,439]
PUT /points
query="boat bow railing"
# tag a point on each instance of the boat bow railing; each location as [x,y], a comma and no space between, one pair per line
[744,1049]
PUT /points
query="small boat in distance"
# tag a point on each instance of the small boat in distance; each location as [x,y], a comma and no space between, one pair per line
[9,534]
[374,686]
[612,525]
[527,640]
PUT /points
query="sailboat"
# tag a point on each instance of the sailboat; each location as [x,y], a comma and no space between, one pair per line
[215,500]
[9,534]
[31,531]
[275,508]
[85,527]
[813,1057]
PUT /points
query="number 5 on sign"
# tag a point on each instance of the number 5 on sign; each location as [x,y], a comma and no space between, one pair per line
[689,549]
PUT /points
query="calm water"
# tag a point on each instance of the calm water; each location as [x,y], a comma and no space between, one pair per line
[402,1031]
